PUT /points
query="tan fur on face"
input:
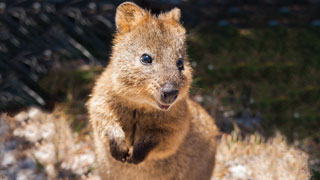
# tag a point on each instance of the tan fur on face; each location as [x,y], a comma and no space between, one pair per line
[161,37]
[124,103]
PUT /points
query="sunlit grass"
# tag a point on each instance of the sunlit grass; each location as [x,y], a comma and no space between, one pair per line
[273,72]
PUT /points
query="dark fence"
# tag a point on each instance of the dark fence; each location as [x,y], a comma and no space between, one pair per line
[35,35]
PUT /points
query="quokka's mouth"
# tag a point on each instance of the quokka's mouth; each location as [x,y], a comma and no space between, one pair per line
[163,107]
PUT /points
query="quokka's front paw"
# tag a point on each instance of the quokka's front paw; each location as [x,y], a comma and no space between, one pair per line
[141,149]
[118,149]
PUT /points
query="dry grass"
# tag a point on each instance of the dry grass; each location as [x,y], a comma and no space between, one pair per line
[38,145]
[47,142]
[256,158]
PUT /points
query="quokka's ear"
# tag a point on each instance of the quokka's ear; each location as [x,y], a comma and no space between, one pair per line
[128,15]
[174,14]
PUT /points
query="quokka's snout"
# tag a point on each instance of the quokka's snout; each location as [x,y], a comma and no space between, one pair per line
[169,93]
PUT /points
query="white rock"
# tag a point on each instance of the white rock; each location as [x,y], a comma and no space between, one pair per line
[34,113]
[25,175]
[23,116]
[80,163]
[32,132]
[8,159]
[47,130]
[87,159]
[75,165]
[18,132]
[239,172]
[45,153]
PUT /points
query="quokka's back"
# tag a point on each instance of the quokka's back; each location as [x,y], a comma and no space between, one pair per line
[144,123]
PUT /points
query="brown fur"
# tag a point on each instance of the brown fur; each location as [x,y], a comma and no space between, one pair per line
[128,123]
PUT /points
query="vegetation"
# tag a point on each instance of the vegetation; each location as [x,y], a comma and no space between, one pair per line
[273,73]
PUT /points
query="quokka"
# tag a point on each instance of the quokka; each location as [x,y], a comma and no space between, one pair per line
[145,125]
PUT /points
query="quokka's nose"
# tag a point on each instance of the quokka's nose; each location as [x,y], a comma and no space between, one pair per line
[169,93]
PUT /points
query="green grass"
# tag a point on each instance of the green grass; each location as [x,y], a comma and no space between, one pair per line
[278,68]
[275,72]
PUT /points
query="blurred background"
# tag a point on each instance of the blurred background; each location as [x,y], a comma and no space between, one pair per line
[257,63]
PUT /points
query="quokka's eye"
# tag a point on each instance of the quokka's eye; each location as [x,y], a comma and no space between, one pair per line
[146,59]
[180,64]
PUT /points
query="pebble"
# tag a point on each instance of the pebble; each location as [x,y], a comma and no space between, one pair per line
[8,159]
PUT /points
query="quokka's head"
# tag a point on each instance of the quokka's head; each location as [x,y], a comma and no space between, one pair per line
[149,57]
